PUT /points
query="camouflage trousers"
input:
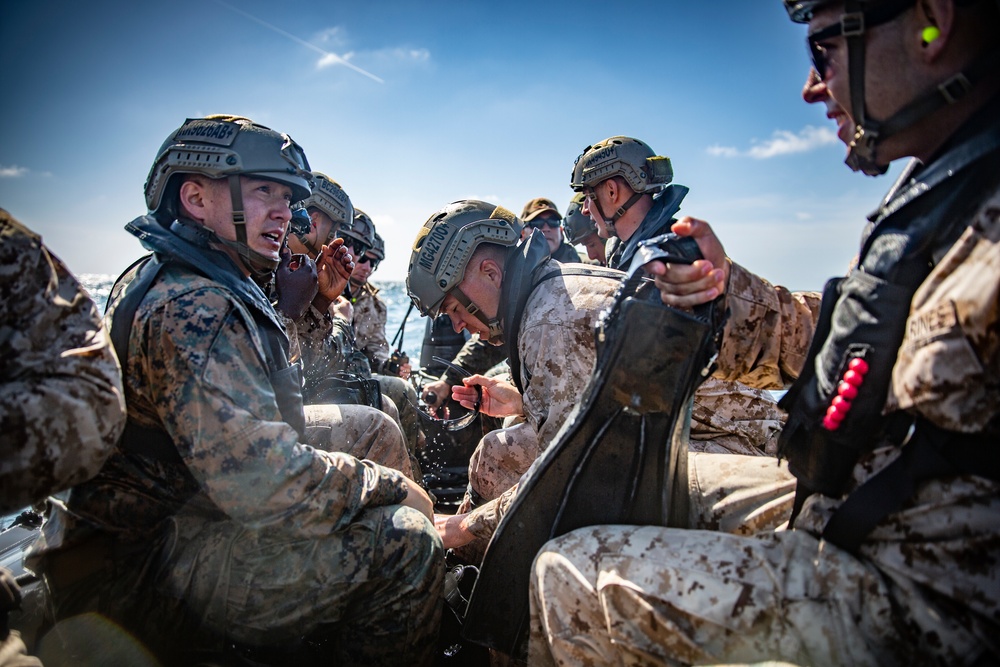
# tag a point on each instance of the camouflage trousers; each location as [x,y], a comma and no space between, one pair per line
[498,462]
[360,431]
[371,591]
[629,595]
[645,595]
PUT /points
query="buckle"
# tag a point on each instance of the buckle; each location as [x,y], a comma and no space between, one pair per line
[852,24]
[955,88]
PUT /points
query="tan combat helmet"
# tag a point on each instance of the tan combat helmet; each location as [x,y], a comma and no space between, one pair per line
[633,160]
[330,198]
[444,246]
[645,172]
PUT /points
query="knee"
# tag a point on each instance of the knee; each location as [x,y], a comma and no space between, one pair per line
[414,546]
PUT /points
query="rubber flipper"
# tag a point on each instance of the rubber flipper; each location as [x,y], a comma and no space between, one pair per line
[621,458]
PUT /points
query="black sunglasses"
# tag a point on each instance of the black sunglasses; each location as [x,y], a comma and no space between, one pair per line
[537,223]
[365,259]
[850,25]
[358,248]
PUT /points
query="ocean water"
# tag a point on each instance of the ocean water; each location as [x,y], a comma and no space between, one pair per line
[392,292]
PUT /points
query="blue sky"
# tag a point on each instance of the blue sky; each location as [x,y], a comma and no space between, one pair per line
[411,105]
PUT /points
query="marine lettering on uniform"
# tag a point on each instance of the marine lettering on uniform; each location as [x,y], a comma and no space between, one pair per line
[931,323]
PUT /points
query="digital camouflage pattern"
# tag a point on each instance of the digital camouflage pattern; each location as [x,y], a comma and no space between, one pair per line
[370,315]
[925,586]
[731,418]
[235,528]
[326,345]
[61,402]
[556,343]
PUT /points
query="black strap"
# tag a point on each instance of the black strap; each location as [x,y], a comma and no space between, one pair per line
[152,443]
[931,452]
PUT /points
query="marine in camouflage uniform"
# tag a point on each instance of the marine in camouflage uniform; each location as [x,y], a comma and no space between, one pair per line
[554,359]
[62,407]
[321,337]
[237,516]
[899,563]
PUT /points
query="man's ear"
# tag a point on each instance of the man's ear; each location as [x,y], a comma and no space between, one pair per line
[192,196]
[939,16]
[614,189]
[492,271]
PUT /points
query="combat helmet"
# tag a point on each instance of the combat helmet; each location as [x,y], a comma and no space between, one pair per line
[443,248]
[330,198]
[226,146]
[378,247]
[361,232]
[633,160]
[577,224]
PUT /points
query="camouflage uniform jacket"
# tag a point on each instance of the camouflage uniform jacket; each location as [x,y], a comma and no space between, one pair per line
[61,403]
[196,369]
[325,346]
[943,544]
[369,326]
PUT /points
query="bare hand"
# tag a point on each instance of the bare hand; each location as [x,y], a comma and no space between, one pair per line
[418,499]
[435,393]
[684,286]
[343,309]
[500,398]
[334,265]
[404,371]
[452,530]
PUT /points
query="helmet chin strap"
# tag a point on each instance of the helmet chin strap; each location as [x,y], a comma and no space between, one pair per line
[494,325]
[636,196]
[862,154]
[257,264]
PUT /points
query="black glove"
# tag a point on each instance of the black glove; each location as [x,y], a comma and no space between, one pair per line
[296,282]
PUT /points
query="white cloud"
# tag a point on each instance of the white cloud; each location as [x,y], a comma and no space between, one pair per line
[782,142]
[381,57]
[331,59]
[12,171]
[723,151]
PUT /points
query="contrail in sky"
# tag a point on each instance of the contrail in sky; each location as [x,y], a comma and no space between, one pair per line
[301,41]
